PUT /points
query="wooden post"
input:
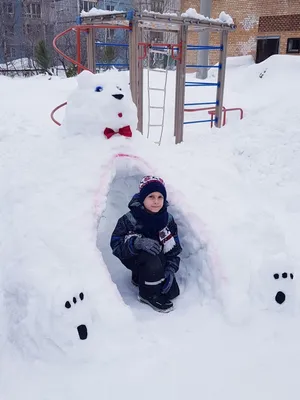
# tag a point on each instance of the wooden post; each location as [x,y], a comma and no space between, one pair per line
[140,80]
[136,70]
[133,60]
[78,50]
[221,78]
[180,85]
[91,53]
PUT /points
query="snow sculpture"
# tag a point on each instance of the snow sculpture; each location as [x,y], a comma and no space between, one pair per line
[101,104]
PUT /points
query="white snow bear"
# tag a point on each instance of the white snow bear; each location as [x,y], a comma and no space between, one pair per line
[101,105]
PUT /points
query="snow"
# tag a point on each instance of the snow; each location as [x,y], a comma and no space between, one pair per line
[190,13]
[94,12]
[19,63]
[223,17]
[235,194]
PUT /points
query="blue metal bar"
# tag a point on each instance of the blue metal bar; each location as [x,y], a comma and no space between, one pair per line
[201,104]
[78,20]
[111,44]
[111,65]
[188,84]
[197,47]
[130,15]
[198,122]
[202,66]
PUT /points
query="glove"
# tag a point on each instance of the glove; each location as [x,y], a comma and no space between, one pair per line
[169,278]
[151,246]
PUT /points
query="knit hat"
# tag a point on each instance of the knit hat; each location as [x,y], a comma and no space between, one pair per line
[150,184]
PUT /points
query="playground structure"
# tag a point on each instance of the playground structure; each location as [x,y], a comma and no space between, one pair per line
[138,25]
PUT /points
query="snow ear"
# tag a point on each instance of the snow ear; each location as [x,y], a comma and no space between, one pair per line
[85,79]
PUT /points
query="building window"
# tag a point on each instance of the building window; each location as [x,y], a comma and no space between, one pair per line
[110,8]
[28,29]
[9,31]
[10,52]
[110,33]
[293,46]
[89,4]
[33,10]
[8,8]
[13,52]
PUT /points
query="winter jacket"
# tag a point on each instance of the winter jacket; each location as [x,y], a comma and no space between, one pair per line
[128,228]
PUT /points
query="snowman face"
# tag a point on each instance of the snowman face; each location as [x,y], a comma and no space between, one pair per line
[100,101]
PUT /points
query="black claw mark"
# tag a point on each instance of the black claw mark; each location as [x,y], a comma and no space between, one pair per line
[280,297]
[284,275]
[67,304]
[81,329]
[82,332]
[276,276]
[292,276]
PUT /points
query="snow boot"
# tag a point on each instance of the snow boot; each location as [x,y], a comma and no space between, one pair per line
[158,303]
[135,279]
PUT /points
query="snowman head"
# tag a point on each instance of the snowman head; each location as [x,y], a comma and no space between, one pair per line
[100,101]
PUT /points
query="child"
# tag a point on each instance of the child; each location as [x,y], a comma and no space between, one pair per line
[146,242]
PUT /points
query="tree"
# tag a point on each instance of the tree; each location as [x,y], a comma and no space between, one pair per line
[42,57]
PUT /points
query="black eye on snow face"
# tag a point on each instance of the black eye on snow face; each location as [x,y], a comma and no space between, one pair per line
[99,89]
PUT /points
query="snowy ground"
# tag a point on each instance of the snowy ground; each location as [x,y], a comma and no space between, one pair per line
[235,193]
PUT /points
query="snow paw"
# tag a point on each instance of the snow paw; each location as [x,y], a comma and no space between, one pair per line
[280,296]
[273,285]
[81,329]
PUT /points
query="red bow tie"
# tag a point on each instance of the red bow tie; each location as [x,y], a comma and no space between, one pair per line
[125,131]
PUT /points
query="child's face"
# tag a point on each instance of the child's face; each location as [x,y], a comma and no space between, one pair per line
[154,202]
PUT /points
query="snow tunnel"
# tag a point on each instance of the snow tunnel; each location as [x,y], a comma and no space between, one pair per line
[196,276]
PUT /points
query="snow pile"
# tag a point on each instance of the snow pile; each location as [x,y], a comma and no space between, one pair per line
[158,13]
[223,17]
[71,324]
[19,63]
[94,12]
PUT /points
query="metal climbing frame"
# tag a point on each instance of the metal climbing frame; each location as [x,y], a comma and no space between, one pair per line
[138,23]
[159,49]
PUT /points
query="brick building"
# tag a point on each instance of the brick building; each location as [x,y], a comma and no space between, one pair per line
[264,27]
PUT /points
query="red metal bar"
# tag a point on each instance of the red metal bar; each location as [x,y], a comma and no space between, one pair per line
[79,65]
[78,47]
[145,46]
[225,110]
[54,111]
[177,58]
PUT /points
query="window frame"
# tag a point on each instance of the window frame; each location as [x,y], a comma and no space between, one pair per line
[288,51]
[33,10]
[89,4]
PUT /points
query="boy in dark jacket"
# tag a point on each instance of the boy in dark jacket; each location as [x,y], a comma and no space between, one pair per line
[145,240]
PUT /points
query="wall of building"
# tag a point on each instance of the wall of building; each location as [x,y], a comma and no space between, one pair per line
[253,18]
